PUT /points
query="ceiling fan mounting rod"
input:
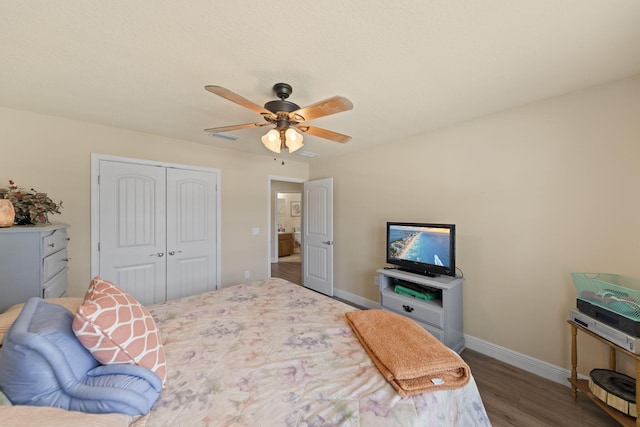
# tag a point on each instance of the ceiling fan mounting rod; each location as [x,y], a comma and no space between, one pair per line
[283,90]
[281,107]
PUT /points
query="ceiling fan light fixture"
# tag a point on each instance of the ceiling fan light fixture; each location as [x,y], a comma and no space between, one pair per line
[285,115]
[294,140]
[271,140]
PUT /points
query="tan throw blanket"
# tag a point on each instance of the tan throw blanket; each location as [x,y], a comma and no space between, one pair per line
[409,357]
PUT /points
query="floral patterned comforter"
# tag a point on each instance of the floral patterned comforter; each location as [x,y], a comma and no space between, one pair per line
[272,353]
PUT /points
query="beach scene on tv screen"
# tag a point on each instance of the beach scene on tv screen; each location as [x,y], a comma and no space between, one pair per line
[420,244]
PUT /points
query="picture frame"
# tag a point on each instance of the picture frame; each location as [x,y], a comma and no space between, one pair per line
[296,208]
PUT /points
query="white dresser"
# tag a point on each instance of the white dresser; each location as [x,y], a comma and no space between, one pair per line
[442,316]
[33,263]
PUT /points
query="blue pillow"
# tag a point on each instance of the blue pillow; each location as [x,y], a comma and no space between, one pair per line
[42,363]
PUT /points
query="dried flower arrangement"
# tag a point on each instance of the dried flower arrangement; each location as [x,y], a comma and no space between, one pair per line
[31,206]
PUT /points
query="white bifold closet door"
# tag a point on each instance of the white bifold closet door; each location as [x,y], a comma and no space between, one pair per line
[157,230]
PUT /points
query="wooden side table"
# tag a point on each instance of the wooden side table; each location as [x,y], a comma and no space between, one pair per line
[583,385]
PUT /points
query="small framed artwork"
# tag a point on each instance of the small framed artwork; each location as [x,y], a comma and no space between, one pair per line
[295,208]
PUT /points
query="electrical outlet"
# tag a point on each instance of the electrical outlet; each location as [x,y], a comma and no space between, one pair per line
[247,274]
[376,280]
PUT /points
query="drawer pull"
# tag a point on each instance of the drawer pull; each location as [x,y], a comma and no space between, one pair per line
[407,308]
[51,244]
[66,259]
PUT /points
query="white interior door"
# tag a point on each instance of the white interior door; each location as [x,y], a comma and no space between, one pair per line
[317,238]
[132,229]
[191,235]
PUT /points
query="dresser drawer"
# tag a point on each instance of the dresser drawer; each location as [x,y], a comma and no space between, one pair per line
[438,333]
[53,264]
[32,258]
[56,287]
[55,241]
[422,311]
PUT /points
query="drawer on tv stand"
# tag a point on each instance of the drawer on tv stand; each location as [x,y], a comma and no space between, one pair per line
[436,332]
[430,313]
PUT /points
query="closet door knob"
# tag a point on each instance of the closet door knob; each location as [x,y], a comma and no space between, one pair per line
[174,252]
[159,254]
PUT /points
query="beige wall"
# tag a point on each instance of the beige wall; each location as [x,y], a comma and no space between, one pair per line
[536,193]
[53,155]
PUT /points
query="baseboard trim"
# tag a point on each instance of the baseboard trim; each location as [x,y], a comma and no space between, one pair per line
[355,299]
[519,360]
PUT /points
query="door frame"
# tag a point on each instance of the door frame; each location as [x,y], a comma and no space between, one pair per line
[96,158]
[271,220]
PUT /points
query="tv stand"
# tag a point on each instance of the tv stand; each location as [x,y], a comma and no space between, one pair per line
[441,316]
[425,274]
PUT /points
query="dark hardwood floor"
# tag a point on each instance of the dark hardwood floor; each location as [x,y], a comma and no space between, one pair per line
[291,271]
[512,396]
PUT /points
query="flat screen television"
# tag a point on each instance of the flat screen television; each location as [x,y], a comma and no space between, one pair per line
[427,249]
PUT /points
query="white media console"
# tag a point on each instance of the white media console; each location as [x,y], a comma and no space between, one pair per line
[441,316]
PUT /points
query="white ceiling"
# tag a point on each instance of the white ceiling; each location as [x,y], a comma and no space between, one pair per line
[408,66]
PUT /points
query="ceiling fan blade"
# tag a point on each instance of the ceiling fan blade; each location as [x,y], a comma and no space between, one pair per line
[234,97]
[329,106]
[236,127]
[323,133]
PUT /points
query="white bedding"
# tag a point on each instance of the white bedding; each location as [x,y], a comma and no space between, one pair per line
[272,353]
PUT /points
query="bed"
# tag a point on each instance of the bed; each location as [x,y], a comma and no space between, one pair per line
[272,353]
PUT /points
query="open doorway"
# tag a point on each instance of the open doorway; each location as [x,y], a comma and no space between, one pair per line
[286,230]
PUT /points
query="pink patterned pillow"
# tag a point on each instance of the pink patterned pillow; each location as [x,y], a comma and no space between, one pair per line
[116,328]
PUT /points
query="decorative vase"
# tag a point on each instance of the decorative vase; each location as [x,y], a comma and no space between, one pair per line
[23,218]
[7,213]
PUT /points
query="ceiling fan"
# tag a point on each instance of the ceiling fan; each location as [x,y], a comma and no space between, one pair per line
[287,117]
